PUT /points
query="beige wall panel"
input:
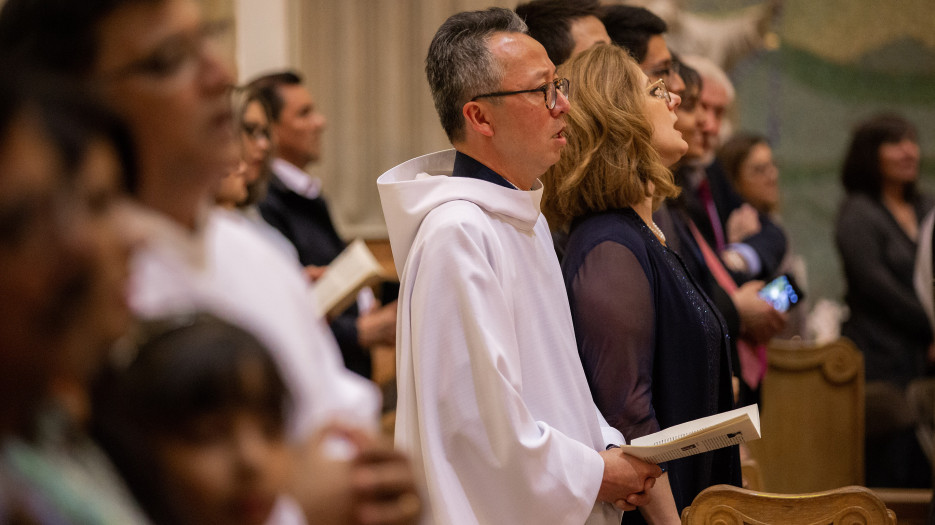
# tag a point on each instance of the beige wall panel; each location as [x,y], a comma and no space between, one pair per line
[224,10]
[364,62]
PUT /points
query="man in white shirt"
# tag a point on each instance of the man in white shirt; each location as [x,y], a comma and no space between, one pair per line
[493,405]
[295,206]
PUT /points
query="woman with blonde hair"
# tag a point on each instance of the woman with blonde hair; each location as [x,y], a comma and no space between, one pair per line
[653,345]
[246,183]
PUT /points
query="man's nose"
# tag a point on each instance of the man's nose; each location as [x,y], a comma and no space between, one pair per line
[562,104]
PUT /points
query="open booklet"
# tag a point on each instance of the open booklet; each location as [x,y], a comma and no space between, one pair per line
[701,435]
[351,270]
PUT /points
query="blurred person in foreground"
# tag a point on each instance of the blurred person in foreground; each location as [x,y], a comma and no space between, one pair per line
[493,403]
[193,410]
[65,164]
[157,64]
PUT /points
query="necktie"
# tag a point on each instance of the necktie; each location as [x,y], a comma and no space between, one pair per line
[704,194]
[752,356]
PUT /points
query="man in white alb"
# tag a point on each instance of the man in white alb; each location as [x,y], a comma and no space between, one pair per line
[493,406]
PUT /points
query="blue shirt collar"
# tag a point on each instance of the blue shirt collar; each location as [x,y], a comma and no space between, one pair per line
[467,166]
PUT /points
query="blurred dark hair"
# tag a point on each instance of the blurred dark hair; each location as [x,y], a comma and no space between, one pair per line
[736,150]
[861,170]
[75,120]
[549,22]
[267,89]
[58,35]
[69,114]
[182,369]
[631,28]
[693,85]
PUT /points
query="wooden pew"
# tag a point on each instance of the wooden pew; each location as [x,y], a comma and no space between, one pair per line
[812,418]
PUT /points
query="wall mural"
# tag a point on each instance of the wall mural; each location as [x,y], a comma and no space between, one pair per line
[804,79]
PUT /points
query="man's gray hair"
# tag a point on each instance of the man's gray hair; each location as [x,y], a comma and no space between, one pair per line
[459,66]
[709,70]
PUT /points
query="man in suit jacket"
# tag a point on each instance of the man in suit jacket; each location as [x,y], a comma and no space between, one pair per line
[295,206]
[709,198]
[758,253]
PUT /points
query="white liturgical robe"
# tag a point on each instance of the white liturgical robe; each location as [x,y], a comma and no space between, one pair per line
[229,268]
[493,405]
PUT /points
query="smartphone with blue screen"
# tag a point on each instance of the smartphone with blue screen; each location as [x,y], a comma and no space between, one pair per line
[782,293]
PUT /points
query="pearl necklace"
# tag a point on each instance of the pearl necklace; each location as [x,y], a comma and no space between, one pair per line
[653,227]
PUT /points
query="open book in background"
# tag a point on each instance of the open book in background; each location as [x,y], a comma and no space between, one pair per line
[701,435]
[351,270]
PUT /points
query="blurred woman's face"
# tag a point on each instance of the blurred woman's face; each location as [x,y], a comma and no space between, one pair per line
[255,142]
[899,161]
[691,122]
[43,257]
[758,180]
[64,260]
[108,218]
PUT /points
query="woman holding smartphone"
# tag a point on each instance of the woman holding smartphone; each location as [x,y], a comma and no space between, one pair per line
[747,159]
[653,345]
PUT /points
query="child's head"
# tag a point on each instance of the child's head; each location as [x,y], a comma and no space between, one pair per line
[195,423]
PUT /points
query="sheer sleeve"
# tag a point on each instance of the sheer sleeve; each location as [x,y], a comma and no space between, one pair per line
[614,322]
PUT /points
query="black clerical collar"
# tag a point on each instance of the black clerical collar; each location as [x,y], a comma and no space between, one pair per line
[467,166]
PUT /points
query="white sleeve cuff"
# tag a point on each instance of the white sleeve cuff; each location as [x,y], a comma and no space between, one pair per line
[754,265]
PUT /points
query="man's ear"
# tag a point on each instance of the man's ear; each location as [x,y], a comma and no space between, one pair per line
[478,118]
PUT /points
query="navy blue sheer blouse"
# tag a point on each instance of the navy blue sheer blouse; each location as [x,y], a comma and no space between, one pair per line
[654,347]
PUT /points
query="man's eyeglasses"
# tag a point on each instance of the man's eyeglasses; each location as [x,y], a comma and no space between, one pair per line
[666,71]
[549,89]
[659,90]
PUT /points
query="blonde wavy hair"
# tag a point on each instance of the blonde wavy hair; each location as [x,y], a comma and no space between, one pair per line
[609,160]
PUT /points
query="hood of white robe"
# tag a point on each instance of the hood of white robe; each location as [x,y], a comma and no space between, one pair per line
[411,190]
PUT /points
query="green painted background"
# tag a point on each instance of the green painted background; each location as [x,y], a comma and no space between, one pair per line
[838,62]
